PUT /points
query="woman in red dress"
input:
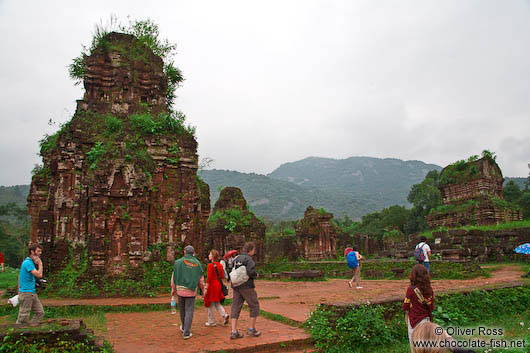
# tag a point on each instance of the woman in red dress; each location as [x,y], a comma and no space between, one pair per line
[214,295]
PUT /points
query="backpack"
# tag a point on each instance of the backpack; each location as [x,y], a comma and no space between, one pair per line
[351,259]
[418,254]
[238,275]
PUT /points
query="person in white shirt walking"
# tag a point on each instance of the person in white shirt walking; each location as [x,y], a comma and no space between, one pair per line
[426,253]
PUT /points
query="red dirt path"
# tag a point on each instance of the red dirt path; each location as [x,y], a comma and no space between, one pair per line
[297,299]
[159,331]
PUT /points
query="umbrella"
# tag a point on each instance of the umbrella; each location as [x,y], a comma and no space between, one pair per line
[523,249]
[230,253]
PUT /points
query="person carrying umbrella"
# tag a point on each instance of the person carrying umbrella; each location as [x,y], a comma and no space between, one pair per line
[227,262]
[523,249]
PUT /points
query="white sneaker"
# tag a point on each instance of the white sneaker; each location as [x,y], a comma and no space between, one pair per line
[186,337]
[209,324]
[181,329]
[359,287]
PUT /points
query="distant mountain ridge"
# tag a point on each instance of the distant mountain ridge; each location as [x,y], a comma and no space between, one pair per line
[16,193]
[384,182]
[278,199]
[353,186]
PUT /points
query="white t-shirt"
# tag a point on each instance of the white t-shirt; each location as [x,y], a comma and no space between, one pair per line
[426,248]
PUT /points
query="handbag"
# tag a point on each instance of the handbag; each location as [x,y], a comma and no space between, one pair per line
[224,289]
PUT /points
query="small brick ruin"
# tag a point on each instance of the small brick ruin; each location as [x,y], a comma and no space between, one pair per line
[461,244]
[232,224]
[476,199]
[316,235]
[116,181]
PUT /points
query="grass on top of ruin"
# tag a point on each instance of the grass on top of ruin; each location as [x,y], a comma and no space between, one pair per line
[502,226]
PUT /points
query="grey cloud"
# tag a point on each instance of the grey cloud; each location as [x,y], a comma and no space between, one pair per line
[276,81]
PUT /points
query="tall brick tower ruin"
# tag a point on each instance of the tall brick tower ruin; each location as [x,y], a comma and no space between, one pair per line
[119,179]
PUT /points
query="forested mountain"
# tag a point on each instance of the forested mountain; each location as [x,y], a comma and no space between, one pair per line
[353,186]
[16,194]
[519,181]
[383,182]
[277,199]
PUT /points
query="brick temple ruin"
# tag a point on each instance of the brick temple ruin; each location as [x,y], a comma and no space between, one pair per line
[119,180]
[316,235]
[232,224]
[472,194]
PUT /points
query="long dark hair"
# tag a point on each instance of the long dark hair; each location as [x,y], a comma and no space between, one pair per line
[419,277]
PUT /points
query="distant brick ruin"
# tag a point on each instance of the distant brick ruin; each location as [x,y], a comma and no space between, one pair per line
[119,180]
[316,235]
[231,225]
[472,194]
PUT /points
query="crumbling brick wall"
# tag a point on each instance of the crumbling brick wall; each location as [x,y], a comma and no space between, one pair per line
[316,235]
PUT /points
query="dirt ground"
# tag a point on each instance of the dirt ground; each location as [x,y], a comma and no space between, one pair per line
[297,299]
[159,331]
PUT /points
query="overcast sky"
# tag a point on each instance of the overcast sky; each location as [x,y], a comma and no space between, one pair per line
[271,82]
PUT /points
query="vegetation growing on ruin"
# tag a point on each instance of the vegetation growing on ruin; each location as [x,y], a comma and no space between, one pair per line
[146,34]
[464,170]
[108,131]
[470,206]
[74,280]
[231,219]
[115,137]
[204,190]
[501,226]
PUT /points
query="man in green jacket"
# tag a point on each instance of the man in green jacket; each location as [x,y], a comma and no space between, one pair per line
[187,276]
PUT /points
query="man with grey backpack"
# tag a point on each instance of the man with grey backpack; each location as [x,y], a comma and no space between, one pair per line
[242,279]
[422,253]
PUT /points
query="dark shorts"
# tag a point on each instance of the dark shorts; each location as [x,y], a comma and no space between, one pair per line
[239,297]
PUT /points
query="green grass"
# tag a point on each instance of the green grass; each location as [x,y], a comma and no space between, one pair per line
[512,331]
[375,270]
[280,318]
[490,267]
[502,226]
[9,278]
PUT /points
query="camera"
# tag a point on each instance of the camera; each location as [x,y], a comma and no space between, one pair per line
[40,283]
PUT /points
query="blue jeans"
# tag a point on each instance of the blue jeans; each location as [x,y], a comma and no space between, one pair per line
[427,265]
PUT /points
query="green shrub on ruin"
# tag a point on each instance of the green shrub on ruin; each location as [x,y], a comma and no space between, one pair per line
[231,219]
[464,170]
[114,124]
[147,35]
[95,154]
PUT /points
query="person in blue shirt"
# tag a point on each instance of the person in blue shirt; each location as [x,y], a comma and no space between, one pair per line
[27,295]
